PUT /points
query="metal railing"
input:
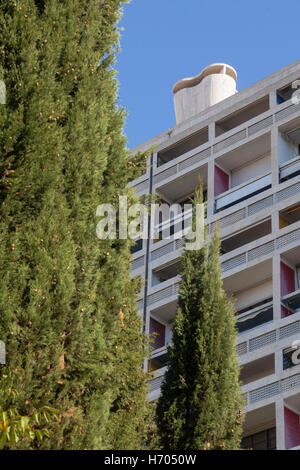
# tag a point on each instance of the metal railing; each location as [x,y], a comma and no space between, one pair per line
[254,318]
[177,225]
[159,358]
[242,192]
[289,169]
[292,301]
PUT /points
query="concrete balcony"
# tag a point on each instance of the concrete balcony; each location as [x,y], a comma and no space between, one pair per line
[158,359]
[289,169]
[292,302]
[255,318]
[265,391]
[236,265]
[155,383]
[243,192]
[176,227]
[252,252]
[256,343]
[234,219]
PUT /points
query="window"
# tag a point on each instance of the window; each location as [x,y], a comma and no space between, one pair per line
[265,440]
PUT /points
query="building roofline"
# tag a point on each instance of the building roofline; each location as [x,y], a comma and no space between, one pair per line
[223,107]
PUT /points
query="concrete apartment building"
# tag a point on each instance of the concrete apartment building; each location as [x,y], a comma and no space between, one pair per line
[245,146]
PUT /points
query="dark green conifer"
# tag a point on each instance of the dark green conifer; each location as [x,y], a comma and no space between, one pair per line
[201,397]
[67,304]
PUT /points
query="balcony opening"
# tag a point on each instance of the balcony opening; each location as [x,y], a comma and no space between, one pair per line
[290,282]
[180,148]
[291,356]
[183,187]
[259,429]
[255,316]
[165,273]
[138,246]
[284,94]
[288,152]
[252,293]
[290,301]
[166,313]
[157,333]
[175,219]
[242,115]
[290,304]
[161,334]
[246,236]
[250,285]
[289,216]
[243,173]
[263,440]
[258,369]
[158,361]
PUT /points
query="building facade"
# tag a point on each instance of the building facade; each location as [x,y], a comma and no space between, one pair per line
[245,146]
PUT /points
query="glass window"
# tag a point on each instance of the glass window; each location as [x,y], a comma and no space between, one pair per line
[265,440]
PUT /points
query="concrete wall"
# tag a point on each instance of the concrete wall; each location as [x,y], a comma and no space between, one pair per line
[252,170]
[254,295]
[286,149]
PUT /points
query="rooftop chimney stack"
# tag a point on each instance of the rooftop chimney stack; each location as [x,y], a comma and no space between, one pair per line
[193,95]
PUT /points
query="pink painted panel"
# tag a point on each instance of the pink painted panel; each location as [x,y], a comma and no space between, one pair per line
[287,279]
[285,312]
[292,428]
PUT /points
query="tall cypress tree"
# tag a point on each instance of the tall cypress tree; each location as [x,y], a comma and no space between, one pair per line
[67,304]
[200,404]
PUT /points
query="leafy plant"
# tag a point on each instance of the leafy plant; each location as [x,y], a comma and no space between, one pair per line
[15,426]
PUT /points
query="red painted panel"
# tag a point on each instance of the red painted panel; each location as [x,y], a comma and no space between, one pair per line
[285,312]
[287,279]
[160,334]
[221,181]
[292,428]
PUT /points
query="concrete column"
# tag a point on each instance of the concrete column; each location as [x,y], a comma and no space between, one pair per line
[278,363]
[276,287]
[273,99]
[275,222]
[210,189]
[280,437]
[274,156]
[211,132]
[154,160]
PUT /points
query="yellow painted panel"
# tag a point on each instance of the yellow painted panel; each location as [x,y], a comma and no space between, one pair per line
[282,222]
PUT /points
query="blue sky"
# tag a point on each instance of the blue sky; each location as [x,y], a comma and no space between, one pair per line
[166,40]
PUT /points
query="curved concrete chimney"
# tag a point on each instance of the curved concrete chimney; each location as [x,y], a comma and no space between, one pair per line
[192,95]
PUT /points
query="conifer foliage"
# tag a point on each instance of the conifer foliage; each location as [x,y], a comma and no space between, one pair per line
[200,405]
[67,305]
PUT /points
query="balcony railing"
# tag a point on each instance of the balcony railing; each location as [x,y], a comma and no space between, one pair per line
[255,318]
[289,169]
[177,225]
[243,192]
[292,301]
[159,358]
